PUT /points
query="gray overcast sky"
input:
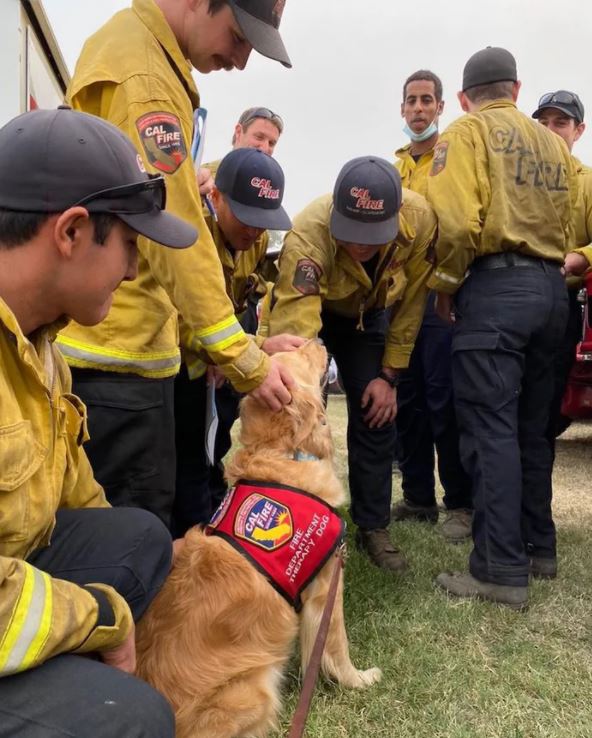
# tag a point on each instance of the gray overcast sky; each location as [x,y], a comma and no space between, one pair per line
[350,57]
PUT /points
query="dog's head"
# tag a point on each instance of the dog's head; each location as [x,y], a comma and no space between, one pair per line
[301,425]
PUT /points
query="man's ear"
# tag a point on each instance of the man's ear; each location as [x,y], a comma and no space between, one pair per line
[464,101]
[238,132]
[215,196]
[69,229]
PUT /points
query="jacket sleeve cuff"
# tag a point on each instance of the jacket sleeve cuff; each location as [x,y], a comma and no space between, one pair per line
[114,620]
[248,371]
[259,340]
[444,282]
[397,357]
[586,252]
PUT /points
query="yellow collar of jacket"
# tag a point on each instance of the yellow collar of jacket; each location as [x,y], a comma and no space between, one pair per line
[124,24]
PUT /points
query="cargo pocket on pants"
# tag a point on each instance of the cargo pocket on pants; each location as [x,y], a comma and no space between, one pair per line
[479,374]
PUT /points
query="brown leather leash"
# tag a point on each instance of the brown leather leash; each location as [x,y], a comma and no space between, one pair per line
[312,672]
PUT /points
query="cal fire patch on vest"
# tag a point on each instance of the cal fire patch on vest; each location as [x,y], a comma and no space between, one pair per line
[306,277]
[287,534]
[439,160]
[264,522]
[162,139]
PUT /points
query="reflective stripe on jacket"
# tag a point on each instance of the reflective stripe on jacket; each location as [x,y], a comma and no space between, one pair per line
[316,274]
[43,467]
[133,73]
[500,181]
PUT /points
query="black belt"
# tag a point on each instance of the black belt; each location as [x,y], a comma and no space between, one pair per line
[510,259]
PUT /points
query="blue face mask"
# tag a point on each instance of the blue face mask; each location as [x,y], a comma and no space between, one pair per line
[424,135]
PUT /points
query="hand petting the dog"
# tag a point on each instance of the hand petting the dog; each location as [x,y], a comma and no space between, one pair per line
[124,656]
[274,392]
[282,342]
[382,401]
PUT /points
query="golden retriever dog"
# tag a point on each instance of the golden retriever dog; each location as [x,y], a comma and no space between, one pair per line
[217,637]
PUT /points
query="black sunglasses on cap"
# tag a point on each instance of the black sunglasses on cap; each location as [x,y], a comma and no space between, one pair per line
[253,113]
[139,197]
[563,97]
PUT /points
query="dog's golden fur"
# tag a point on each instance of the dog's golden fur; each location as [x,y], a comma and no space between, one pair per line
[217,637]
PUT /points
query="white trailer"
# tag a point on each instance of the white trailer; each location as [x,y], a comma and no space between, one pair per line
[33,71]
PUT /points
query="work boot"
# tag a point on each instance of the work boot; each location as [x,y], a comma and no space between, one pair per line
[465,585]
[540,568]
[456,528]
[380,549]
[404,510]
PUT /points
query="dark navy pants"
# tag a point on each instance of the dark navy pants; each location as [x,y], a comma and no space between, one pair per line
[358,355]
[200,488]
[132,437]
[73,695]
[426,418]
[509,322]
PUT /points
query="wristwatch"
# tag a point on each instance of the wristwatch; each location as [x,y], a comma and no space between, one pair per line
[392,380]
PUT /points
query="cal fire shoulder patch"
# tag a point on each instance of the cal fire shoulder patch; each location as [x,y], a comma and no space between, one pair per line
[162,138]
[439,160]
[306,277]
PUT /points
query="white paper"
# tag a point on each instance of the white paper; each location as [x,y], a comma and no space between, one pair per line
[211,423]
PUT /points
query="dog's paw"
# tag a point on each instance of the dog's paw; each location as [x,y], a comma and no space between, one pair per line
[370,676]
[359,679]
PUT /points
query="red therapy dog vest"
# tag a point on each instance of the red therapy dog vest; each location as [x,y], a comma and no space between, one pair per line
[286,533]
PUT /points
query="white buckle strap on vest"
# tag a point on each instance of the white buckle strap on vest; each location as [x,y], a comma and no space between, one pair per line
[304,456]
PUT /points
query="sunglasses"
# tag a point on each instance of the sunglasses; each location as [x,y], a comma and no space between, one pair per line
[562,97]
[139,197]
[266,113]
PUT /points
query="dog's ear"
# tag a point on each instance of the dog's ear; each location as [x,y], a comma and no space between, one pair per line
[310,429]
[316,354]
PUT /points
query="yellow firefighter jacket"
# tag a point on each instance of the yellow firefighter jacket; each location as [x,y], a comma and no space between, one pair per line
[499,182]
[584,211]
[414,174]
[315,274]
[243,280]
[132,72]
[42,468]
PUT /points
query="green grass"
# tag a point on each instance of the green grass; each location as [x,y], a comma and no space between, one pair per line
[456,669]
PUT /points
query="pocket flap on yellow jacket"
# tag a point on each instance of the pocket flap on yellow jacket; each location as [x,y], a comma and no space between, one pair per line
[20,455]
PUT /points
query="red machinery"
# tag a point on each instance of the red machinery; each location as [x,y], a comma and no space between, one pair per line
[577,401]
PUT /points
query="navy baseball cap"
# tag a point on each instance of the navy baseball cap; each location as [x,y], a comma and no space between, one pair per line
[565,101]
[492,64]
[366,202]
[52,160]
[252,183]
[259,21]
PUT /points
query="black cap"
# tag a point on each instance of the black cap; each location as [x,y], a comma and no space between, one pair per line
[565,101]
[259,20]
[252,183]
[52,160]
[366,202]
[489,65]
